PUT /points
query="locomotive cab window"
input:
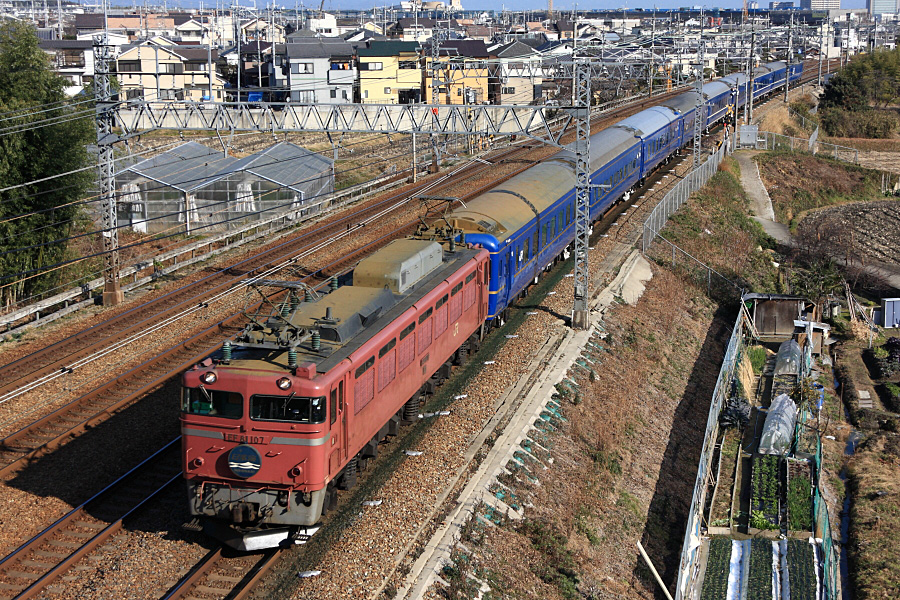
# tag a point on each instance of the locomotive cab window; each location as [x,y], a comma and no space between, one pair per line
[215,403]
[294,409]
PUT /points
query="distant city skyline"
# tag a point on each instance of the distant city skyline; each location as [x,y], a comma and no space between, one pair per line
[517,5]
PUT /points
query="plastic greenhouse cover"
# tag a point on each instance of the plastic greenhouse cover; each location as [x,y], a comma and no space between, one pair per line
[778,430]
[789,358]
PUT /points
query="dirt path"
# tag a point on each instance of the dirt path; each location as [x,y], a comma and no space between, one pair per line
[760,203]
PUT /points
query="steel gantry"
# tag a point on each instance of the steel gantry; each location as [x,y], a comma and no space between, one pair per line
[112,294]
[545,124]
[581,100]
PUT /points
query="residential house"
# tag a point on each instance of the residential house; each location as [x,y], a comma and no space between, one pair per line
[389,72]
[72,59]
[518,76]
[192,31]
[324,24]
[132,25]
[159,71]
[253,71]
[263,31]
[321,70]
[479,32]
[421,29]
[463,76]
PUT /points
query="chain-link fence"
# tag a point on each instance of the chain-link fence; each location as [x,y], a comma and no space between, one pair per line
[665,252]
[766,140]
[831,558]
[689,567]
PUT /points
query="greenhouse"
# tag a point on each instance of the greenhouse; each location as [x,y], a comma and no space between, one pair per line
[197,190]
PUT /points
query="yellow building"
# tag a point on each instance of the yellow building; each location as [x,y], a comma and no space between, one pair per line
[464,73]
[389,73]
[161,71]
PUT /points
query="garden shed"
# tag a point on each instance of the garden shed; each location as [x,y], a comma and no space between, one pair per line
[199,190]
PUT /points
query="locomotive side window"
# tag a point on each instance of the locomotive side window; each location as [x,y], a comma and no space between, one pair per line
[294,409]
[387,348]
[534,249]
[333,408]
[408,330]
[469,278]
[215,403]
[425,315]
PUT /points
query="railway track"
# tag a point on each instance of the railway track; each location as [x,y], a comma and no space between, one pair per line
[101,402]
[31,568]
[78,350]
[223,575]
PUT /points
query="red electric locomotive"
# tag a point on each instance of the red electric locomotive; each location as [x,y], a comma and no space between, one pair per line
[280,420]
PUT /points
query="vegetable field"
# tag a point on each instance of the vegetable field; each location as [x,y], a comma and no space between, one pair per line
[715,582]
[801,562]
[759,583]
[764,493]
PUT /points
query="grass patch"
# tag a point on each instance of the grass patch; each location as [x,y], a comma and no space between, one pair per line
[559,568]
[715,227]
[757,356]
[798,183]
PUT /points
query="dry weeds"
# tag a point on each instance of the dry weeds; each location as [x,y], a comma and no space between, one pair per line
[624,462]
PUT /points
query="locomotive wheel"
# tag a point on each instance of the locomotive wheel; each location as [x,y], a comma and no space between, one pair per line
[349,478]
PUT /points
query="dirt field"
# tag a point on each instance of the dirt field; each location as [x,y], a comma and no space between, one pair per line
[801,182]
[870,230]
[624,461]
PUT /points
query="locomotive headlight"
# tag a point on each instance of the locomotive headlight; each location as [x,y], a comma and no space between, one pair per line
[208,378]
[284,383]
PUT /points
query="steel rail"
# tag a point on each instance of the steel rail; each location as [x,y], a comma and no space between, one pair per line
[33,555]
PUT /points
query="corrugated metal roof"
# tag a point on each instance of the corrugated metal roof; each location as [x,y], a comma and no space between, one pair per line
[284,164]
[185,168]
[192,166]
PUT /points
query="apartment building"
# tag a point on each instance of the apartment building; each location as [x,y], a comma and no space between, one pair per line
[389,72]
[159,70]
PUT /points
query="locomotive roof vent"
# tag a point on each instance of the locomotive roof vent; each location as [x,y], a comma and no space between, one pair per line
[399,265]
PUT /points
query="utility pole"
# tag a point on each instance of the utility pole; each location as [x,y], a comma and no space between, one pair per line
[581,101]
[787,71]
[698,125]
[436,90]
[819,81]
[112,294]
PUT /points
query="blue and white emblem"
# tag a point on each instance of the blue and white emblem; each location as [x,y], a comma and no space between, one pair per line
[244,461]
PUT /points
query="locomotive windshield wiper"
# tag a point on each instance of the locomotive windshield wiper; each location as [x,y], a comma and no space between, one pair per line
[205,393]
[284,407]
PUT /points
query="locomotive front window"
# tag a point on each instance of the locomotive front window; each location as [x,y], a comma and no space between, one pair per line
[295,409]
[215,403]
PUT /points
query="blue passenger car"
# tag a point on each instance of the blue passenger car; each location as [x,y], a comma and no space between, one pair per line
[528,221]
